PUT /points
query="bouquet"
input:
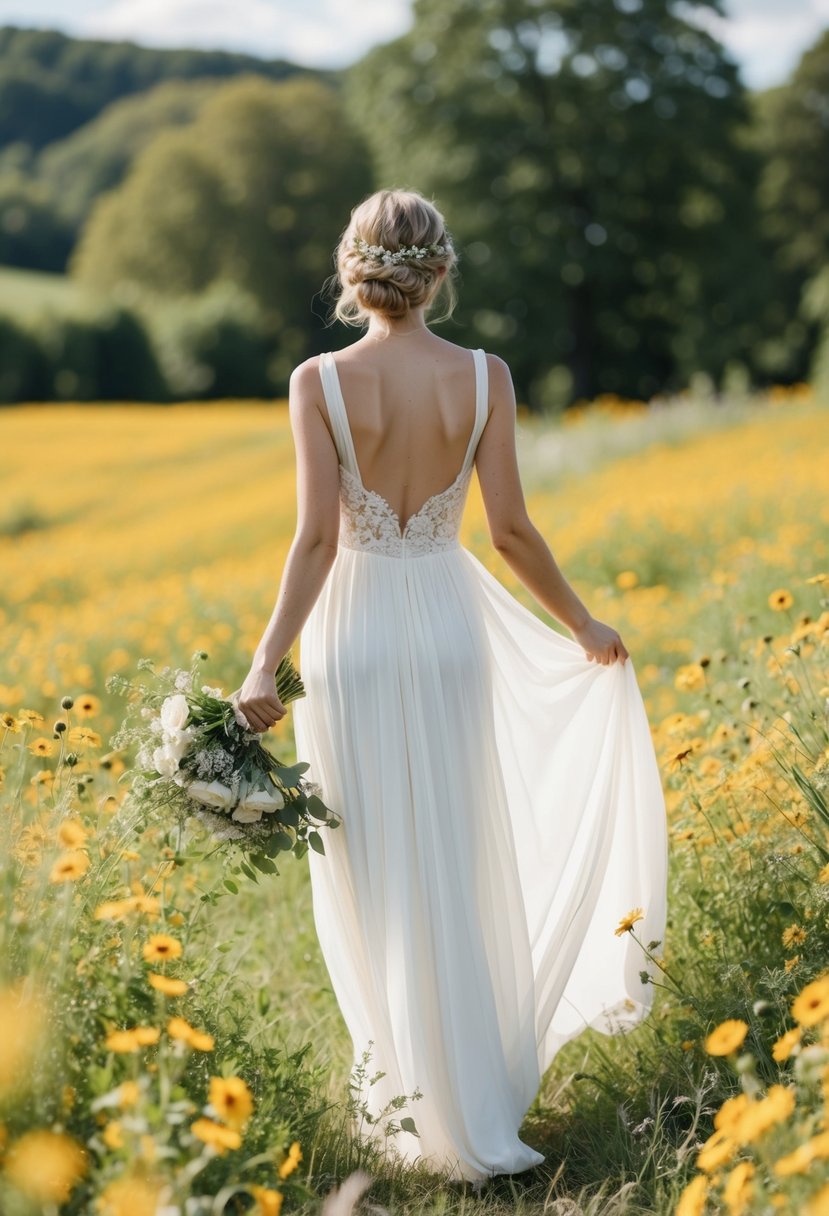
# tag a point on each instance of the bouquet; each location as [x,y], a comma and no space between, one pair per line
[198,757]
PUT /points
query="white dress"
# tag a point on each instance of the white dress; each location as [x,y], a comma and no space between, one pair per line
[502,810]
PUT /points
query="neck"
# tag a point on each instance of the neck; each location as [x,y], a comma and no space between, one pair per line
[381,326]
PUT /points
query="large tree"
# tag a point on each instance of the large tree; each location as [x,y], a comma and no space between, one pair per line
[792,133]
[254,192]
[588,161]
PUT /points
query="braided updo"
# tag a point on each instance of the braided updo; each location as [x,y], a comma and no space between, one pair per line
[395,220]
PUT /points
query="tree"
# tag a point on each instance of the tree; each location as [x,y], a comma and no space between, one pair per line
[254,192]
[96,157]
[586,156]
[792,133]
[50,84]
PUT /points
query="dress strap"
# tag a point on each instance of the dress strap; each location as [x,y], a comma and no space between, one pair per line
[337,413]
[481,405]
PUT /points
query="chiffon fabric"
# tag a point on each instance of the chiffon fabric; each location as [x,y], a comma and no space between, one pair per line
[501,810]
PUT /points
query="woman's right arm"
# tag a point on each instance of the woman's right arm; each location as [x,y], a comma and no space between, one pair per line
[516,537]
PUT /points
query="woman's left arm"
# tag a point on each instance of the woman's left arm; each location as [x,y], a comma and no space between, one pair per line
[312,550]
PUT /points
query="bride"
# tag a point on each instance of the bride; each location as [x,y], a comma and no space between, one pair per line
[500,800]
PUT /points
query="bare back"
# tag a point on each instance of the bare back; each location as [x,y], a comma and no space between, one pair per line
[410,402]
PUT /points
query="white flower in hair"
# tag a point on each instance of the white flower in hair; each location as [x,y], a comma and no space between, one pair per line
[392,257]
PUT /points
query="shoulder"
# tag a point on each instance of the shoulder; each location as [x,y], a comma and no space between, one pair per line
[499,376]
[305,378]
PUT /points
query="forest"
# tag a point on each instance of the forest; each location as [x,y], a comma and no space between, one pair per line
[630,218]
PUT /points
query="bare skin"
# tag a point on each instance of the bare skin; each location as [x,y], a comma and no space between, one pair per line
[385,376]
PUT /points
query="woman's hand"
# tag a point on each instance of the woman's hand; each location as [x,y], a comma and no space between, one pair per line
[600,642]
[258,700]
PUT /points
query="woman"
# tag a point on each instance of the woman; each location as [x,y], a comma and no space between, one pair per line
[497,782]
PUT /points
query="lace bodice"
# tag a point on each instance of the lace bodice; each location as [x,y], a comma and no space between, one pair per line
[367,520]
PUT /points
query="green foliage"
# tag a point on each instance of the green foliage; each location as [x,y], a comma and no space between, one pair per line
[92,353]
[51,84]
[792,134]
[96,157]
[212,344]
[254,191]
[587,160]
[32,232]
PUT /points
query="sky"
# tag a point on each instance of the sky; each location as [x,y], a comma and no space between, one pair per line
[765,37]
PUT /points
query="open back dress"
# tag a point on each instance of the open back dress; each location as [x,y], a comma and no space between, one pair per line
[501,810]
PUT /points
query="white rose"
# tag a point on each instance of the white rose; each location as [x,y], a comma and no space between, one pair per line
[177,742]
[263,800]
[245,813]
[211,793]
[174,712]
[165,761]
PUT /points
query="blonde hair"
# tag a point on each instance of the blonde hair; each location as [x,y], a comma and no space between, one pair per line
[393,219]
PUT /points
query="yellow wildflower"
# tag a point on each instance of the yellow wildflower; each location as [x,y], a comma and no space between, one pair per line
[167,985]
[729,1113]
[759,1116]
[41,746]
[268,1202]
[231,1099]
[88,704]
[69,867]
[71,833]
[160,947]
[627,922]
[811,1005]
[128,1093]
[292,1160]
[784,1046]
[215,1135]
[726,1037]
[83,736]
[795,935]
[692,1200]
[780,599]
[626,579]
[738,1188]
[128,1041]
[21,1026]
[113,1134]
[716,1151]
[690,677]
[45,1165]
[131,1195]
[178,1028]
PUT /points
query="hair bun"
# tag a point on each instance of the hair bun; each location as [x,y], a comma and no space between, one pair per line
[390,257]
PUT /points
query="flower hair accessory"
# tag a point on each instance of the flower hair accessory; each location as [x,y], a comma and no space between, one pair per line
[392,257]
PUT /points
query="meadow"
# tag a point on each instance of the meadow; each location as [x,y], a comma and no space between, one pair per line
[169,1040]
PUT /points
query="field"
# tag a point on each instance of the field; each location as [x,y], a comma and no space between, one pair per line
[699,529]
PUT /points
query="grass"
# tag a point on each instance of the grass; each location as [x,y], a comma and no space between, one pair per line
[130,530]
[24,292]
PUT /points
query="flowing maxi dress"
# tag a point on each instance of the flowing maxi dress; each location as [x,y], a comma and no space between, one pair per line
[501,810]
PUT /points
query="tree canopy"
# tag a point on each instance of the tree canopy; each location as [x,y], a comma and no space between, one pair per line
[585,156]
[255,191]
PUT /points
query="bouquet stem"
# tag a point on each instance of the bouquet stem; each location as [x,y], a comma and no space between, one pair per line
[289,685]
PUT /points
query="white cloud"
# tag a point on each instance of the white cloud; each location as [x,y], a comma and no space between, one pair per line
[315,32]
[767,37]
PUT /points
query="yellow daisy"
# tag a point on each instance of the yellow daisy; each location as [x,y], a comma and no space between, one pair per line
[726,1037]
[627,922]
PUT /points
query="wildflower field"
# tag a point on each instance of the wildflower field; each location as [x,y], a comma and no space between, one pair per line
[169,1042]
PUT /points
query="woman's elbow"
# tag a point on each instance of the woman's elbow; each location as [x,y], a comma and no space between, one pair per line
[511,532]
[308,542]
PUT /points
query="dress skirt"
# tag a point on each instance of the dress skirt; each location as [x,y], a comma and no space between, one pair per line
[501,811]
